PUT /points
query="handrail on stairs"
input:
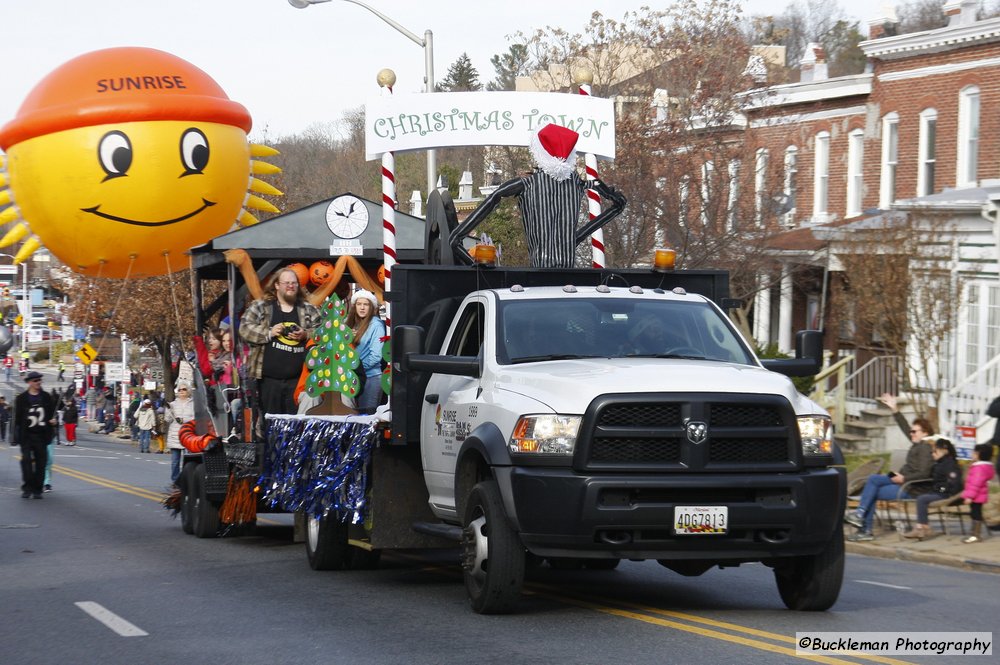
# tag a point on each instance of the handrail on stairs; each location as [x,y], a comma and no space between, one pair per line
[965,403]
[839,401]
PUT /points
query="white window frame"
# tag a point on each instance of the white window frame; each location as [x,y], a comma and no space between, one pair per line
[733,171]
[683,200]
[821,177]
[761,161]
[707,173]
[967,166]
[855,172]
[790,187]
[890,160]
[927,153]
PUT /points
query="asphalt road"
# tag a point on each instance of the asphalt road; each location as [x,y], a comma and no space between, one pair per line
[98,572]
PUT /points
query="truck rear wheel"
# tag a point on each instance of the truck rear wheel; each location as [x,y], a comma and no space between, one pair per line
[326,543]
[812,583]
[187,497]
[492,555]
[205,516]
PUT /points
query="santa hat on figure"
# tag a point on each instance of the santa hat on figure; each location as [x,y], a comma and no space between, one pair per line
[554,151]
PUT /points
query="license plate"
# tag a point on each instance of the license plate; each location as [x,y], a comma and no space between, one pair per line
[700,520]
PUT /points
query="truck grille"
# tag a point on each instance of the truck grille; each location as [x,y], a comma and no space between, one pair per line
[741,431]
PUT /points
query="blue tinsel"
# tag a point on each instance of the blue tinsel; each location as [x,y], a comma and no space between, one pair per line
[317,465]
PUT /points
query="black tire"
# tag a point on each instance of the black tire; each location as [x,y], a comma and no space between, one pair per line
[186,483]
[492,555]
[326,543]
[205,515]
[812,583]
[601,564]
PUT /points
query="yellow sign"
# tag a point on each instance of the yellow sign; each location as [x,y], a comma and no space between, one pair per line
[86,354]
[19,319]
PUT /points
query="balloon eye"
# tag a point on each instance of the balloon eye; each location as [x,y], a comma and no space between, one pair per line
[115,154]
[194,151]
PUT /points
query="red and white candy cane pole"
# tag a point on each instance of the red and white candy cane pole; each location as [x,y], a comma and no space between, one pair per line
[583,78]
[386,79]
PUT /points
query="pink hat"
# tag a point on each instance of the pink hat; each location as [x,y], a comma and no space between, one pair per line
[554,150]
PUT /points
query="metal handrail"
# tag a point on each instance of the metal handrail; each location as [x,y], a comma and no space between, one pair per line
[965,404]
[820,395]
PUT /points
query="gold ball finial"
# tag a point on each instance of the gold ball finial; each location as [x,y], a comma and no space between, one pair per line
[386,78]
[583,75]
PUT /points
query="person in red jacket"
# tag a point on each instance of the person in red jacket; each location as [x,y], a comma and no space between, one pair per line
[977,490]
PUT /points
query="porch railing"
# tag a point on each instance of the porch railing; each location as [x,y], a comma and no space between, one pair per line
[831,399]
[966,403]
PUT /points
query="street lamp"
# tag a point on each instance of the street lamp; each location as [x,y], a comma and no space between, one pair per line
[427,43]
[25,303]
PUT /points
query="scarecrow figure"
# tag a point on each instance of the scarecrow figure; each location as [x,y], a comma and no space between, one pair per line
[550,200]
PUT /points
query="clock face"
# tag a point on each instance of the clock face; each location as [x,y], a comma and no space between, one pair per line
[347,216]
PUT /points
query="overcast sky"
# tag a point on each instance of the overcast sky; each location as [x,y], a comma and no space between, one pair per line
[292,68]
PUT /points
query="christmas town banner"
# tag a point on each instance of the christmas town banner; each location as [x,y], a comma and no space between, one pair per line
[441,120]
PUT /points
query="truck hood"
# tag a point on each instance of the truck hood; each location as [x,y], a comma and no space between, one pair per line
[568,386]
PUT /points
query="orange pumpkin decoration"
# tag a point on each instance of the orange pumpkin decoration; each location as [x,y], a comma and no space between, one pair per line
[301,271]
[381,274]
[320,273]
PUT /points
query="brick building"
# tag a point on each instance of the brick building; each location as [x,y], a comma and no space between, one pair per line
[912,136]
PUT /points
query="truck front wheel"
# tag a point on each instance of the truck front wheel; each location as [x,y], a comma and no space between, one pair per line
[326,543]
[492,554]
[204,515]
[812,583]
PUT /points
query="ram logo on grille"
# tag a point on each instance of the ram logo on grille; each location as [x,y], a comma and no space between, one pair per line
[696,431]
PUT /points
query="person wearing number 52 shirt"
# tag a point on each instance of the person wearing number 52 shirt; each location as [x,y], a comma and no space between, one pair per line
[32,429]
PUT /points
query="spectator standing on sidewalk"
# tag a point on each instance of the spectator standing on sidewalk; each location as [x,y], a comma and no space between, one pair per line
[70,417]
[888,487]
[62,371]
[100,402]
[34,417]
[4,417]
[178,412]
[977,490]
[146,420]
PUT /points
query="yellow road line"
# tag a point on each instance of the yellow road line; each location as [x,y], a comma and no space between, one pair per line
[127,489]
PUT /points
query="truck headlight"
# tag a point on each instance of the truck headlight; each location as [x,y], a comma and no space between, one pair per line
[549,434]
[817,435]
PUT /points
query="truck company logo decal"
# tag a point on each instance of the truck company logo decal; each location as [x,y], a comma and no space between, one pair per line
[696,431]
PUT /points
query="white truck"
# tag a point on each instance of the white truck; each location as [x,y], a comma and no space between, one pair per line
[583,417]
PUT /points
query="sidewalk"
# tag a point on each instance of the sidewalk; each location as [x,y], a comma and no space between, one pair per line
[943,550]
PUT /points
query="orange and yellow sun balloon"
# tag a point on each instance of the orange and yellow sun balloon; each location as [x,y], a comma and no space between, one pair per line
[121,160]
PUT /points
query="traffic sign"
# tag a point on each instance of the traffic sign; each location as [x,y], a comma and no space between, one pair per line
[86,354]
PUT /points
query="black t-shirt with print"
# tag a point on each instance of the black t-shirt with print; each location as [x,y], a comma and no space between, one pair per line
[283,356]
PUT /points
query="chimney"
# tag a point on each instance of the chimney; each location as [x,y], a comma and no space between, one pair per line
[960,12]
[465,186]
[756,70]
[416,203]
[812,67]
[885,23]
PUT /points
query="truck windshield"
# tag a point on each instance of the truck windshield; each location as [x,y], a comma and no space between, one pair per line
[539,330]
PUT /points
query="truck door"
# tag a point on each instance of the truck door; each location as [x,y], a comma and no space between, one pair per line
[449,409]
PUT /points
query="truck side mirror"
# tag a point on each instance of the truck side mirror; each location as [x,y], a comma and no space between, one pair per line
[406,340]
[808,356]
[407,348]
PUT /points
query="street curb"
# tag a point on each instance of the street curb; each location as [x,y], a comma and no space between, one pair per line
[905,554]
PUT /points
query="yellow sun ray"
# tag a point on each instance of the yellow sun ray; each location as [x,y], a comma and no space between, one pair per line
[246,219]
[257,203]
[5,196]
[3,179]
[262,187]
[263,168]
[9,215]
[259,150]
[14,234]
[29,247]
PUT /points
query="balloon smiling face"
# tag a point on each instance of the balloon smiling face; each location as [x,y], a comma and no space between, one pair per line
[121,160]
[100,195]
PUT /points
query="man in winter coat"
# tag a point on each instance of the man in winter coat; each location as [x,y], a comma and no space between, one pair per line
[34,419]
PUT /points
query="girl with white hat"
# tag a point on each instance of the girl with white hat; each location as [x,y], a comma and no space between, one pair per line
[369,331]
